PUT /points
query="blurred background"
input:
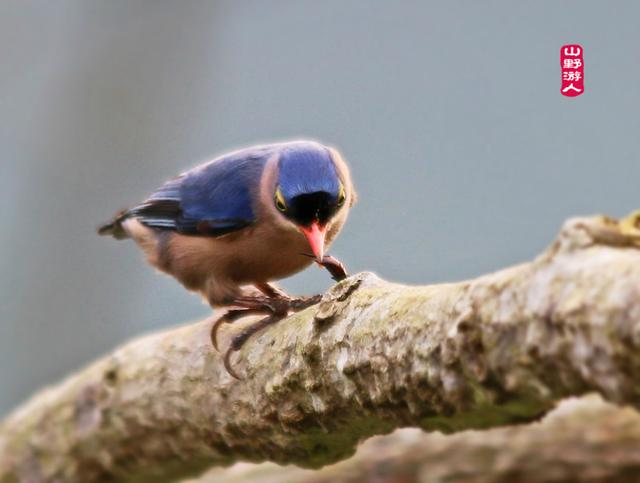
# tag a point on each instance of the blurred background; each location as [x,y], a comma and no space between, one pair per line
[465,155]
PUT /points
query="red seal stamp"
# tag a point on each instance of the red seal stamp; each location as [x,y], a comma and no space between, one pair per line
[572,65]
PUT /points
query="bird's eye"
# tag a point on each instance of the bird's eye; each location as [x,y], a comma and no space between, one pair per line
[279,201]
[341,196]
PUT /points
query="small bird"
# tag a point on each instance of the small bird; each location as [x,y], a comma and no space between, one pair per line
[227,228]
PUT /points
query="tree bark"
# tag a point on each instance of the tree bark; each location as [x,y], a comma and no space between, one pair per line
[371,357]
[583,440]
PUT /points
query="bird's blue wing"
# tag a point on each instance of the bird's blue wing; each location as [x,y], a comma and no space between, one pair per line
[213,199]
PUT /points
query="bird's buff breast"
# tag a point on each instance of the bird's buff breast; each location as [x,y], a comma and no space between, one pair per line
[264,255]
[252,255]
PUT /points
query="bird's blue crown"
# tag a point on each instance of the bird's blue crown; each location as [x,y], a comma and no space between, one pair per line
[306,168]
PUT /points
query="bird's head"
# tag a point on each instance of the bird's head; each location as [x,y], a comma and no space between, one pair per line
[310,191]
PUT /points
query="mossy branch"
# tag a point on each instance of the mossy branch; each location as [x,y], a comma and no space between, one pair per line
[371,357]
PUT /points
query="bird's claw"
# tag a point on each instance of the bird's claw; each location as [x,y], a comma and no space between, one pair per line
[229,317]
[239,340]
[214,332]
[227,364]
[277,309]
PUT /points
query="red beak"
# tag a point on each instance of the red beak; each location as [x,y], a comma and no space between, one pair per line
[315,237]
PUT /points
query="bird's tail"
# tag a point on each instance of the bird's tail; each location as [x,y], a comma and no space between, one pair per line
[114,228]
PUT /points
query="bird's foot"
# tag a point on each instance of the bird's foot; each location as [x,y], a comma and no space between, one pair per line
[334,266]
[277,309]
[239,340]
[276,305]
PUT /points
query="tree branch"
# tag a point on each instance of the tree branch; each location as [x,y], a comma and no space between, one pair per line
[371,357]
[561,448]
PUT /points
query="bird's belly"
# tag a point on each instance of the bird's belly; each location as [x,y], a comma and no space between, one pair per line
[246,257]
[262,258]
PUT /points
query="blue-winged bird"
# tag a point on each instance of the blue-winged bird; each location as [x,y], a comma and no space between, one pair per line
[229,227]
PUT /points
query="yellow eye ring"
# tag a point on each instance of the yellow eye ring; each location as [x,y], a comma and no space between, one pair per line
[279,201]
[341,196]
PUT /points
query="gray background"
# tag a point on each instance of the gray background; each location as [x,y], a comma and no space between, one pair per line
[466,156]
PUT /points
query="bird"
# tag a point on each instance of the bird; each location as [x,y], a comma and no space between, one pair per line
[228,228]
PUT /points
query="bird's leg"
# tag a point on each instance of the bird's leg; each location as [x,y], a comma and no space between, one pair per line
[275,302]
